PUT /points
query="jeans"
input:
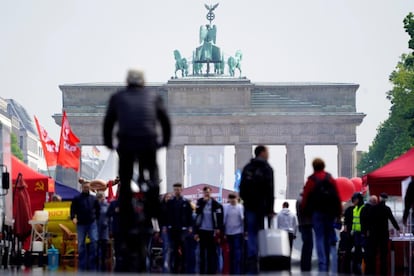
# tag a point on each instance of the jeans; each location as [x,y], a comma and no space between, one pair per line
[236,251]
[357,260]
[165,251]
[87,260]
[254,222]
[208,252]
[147,163]
[323,227]
[307,247]
[178,253]
[103,246]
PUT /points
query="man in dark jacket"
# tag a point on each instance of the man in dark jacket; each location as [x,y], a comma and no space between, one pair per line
[84,212]
[137,110]
[209,224]
[180,226]
[257,193]
[379,235]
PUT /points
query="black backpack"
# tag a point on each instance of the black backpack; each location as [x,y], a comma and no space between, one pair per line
[324,197]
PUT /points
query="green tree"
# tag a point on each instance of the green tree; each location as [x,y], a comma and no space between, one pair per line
[396,135]
[15,149]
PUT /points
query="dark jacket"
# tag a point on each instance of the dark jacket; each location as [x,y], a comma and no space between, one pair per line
[85,207]
[180,213]
[216,212]
[335,210]
[378,221]
[408,201]
[137,111]
[113,216]
[257,187]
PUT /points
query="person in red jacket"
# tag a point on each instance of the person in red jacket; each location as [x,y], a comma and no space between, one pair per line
[321,201]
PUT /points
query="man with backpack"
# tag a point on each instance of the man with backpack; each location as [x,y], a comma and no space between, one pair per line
[257,193]
[321,201]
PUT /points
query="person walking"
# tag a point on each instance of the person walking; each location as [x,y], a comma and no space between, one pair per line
[137,110]
[208,226]
[321,201]
[357,235]
[305,229]
[287,221]
[379,235]
[180,226]
[113,221]
[409,206]
[257,193]
[365,225]
[84,213]
[163,222]
[103,233]
[234,232]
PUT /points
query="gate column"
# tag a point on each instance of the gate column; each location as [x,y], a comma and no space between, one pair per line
[295,169]
[347,160]
[175,165]
[243,153]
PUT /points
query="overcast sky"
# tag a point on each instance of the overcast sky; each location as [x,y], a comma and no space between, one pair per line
[46,43]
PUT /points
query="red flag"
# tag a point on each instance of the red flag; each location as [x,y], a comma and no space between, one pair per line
[50,150]
[110,191]
[69,151]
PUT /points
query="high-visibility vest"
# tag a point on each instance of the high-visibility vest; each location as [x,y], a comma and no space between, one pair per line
[356,220]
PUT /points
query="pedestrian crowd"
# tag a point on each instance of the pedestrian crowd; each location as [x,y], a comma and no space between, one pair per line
[172,235]
[208,237]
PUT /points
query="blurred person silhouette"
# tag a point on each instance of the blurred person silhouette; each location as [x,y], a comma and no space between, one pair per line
[321,201]
[234,232]
[113,221]
[305,229]
[358,238]
[287,221]
[379,235]
[103,232]
[208,226]
[163,222]
[409,206]
[84,213]
[138,111]
[257,193]
[368,245]
[180,226]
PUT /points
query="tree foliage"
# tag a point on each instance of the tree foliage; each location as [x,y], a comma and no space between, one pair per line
[396,135]
[15,149]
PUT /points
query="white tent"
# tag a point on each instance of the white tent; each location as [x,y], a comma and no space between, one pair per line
[109,170]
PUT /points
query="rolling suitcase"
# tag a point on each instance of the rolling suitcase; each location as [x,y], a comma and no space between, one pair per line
[274,249]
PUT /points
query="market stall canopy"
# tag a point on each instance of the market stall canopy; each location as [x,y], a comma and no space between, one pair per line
[37,184]
[388,178]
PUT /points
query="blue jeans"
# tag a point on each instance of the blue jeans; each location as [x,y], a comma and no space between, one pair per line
[165,251]
[323,227]
[307,247]
[87,260]
[236,252]
[254,222]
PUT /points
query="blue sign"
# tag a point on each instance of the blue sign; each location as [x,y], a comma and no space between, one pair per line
[237,178]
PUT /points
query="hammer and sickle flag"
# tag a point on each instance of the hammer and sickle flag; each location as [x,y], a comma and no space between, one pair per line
[39,186]
[50,150]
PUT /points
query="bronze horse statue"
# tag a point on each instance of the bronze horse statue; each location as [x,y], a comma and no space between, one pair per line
[235,63]
[181,64]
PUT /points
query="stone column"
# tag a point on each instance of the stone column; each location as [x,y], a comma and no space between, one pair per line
[243,154]
[295,169]
[175,165]
[347,160]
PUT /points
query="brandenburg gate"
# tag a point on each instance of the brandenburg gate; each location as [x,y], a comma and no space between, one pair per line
[210,107]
